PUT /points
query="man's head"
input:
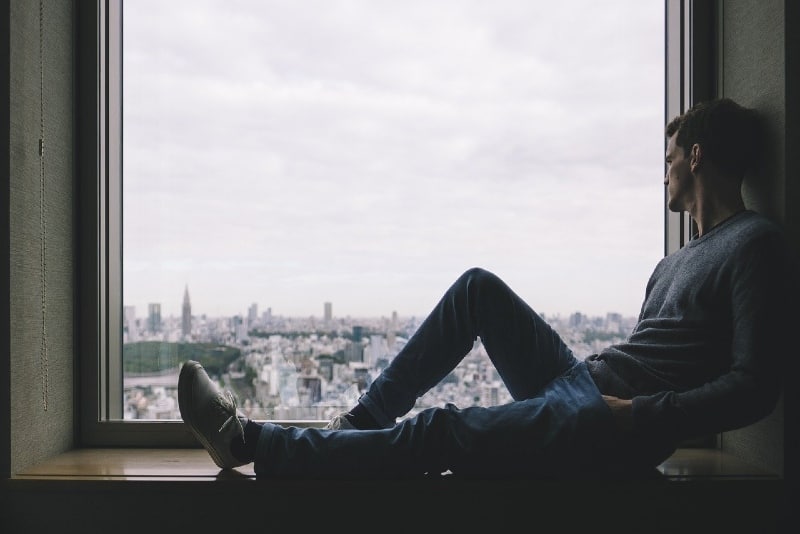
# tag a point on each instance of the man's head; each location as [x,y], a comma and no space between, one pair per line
[715,142]
[727,134]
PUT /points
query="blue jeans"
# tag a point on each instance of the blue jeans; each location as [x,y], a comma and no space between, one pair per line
[557,424]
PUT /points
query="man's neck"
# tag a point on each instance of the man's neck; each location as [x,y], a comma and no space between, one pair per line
[708,216]
[716,204]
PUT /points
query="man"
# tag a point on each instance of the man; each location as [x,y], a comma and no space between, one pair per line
[704,357]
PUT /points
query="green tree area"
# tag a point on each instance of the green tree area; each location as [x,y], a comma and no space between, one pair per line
[156,356]
[590,336]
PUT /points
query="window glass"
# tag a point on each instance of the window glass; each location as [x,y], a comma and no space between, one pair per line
[303,180]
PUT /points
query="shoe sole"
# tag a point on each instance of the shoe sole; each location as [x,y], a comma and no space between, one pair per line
[185,391]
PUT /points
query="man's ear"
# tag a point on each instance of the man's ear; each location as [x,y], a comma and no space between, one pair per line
[695,156]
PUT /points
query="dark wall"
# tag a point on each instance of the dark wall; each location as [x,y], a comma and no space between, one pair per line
[754,50]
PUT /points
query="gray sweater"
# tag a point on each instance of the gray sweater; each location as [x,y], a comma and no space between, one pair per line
[707,352]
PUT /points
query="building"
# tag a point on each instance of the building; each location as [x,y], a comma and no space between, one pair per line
[154,318]
[186,315]
[130,329]
[252,314]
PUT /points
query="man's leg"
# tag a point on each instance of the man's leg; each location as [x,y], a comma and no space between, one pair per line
[525,350]
[563,431]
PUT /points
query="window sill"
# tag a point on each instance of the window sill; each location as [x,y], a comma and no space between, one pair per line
[133,464]
[181,490]
[195,465]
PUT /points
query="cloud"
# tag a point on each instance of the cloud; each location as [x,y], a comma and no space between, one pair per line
[277,152]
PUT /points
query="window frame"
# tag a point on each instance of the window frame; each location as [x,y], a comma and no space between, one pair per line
[689,76]
[99,238]
[690,62]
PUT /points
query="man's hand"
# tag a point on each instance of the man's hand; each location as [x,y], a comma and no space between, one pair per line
[622,410]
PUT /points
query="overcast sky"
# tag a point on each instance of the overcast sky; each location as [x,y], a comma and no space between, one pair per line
[366,153]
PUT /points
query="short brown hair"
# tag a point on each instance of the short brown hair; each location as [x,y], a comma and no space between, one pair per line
[730,135]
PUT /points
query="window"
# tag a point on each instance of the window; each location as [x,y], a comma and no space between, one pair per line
[416,140]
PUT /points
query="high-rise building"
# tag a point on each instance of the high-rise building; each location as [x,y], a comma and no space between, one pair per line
[490,394]
[186,318]
[240,329]
[325,367]
[577,319]
[154,317]
[358,333]
[130,329]
[328,313]
[309,387]
[354,352]
[377,349]
[252,314]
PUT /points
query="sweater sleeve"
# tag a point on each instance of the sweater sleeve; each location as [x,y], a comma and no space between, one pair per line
[749,388]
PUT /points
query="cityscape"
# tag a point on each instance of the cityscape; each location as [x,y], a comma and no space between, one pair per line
[307,369]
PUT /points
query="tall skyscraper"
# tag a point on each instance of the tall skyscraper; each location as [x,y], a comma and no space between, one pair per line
[186,322]
[328,313]
[154,317]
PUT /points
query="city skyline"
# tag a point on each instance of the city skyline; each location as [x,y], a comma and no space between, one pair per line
[326,312]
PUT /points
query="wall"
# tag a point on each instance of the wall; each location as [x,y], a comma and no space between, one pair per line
[5,367]
[752,71]
[40,346]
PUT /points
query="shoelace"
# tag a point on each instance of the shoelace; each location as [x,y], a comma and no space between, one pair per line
[339,422]
[228,404]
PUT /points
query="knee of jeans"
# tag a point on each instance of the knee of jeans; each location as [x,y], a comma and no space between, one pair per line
[473,272]
[479,275]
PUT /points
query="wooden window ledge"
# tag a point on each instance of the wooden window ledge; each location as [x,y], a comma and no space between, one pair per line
[195,465]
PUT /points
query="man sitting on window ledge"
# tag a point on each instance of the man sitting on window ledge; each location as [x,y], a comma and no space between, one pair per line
[705,356]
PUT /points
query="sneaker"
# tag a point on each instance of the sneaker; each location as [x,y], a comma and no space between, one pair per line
[210,414]
[339,422]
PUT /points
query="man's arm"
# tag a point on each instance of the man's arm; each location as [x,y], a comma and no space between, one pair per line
[761,281]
